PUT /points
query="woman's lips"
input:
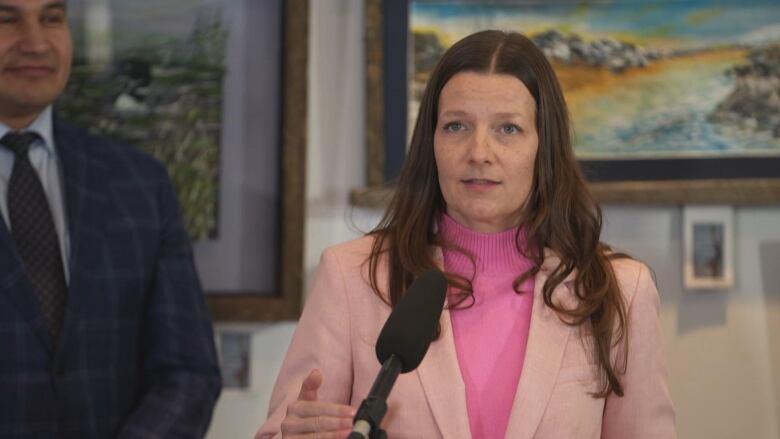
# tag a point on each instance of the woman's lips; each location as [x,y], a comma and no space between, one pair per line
[480,183]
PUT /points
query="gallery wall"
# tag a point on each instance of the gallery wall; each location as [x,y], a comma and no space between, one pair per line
[723,347]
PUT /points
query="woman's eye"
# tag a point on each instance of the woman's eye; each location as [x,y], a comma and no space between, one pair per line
[453,127]
[510,128]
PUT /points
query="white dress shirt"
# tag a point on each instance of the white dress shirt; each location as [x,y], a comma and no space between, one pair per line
[43,157]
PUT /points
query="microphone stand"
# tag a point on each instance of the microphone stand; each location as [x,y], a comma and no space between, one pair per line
[373,408]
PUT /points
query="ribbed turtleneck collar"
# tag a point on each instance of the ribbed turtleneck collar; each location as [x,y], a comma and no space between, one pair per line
[493,252]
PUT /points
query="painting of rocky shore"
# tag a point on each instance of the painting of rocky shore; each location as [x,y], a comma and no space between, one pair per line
[150,73]
[643,79]
[754,104]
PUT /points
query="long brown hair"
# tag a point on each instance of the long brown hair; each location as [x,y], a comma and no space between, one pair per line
[560,214]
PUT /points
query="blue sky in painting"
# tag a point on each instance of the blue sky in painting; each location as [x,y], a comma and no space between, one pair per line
[712,22]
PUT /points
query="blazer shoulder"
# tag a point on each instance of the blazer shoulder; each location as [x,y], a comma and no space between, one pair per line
[354,250]
[104,151]
[632,275]
[351,259]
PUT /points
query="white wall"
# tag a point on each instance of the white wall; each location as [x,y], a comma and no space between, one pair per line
[724,347]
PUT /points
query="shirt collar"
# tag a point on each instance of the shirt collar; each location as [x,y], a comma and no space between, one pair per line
[42,125]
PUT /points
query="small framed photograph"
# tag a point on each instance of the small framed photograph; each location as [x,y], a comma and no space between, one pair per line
[235,354]
[708,233]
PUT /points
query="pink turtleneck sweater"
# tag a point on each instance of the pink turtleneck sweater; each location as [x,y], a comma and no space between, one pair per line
[491,335]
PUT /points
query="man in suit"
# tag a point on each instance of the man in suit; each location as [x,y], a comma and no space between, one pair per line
[103,327]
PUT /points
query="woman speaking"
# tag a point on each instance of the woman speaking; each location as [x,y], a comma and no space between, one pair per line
[547,332]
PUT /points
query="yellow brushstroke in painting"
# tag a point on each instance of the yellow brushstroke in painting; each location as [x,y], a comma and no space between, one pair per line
[581,84]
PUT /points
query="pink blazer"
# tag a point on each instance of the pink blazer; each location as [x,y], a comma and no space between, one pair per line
[342,319]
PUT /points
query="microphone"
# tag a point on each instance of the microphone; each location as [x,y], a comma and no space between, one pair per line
[401,346]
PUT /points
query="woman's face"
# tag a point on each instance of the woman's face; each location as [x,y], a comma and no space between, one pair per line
[485,146]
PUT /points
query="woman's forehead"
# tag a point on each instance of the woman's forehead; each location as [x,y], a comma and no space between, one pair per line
[498,93]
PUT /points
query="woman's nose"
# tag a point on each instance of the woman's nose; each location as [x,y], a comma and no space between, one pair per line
[480,148]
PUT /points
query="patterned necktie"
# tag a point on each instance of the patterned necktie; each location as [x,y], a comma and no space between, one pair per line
[32,227]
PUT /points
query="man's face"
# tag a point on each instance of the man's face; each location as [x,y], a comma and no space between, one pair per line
[36,52]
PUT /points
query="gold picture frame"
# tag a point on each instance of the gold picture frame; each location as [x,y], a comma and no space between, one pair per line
[285,304]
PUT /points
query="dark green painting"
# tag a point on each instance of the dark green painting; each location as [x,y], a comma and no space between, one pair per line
[150,73]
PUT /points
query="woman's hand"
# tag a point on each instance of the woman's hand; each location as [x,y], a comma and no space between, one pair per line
[309,418]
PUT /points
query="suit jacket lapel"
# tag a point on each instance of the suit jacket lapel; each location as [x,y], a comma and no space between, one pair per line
[441,379]
[443,384]
[547,340]
[17,287]
[85,207]
[84,204]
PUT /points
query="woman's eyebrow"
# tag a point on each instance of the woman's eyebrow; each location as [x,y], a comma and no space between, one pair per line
[454,113]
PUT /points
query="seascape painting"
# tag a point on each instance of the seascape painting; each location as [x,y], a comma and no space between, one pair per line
[643,79]
[150,73]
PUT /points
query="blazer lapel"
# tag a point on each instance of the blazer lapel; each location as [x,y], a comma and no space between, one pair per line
[17,287]
[443,384]
[85,206]
[547,340]
[441,380]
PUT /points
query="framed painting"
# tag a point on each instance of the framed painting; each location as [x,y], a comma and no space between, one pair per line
[190,82]
[708,237]
[235,359]
[671,102]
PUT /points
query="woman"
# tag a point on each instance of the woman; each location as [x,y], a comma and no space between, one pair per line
[547,332]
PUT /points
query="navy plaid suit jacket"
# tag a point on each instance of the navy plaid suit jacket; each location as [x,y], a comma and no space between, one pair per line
[136,357]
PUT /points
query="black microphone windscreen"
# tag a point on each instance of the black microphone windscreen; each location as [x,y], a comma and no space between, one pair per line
[411,326]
